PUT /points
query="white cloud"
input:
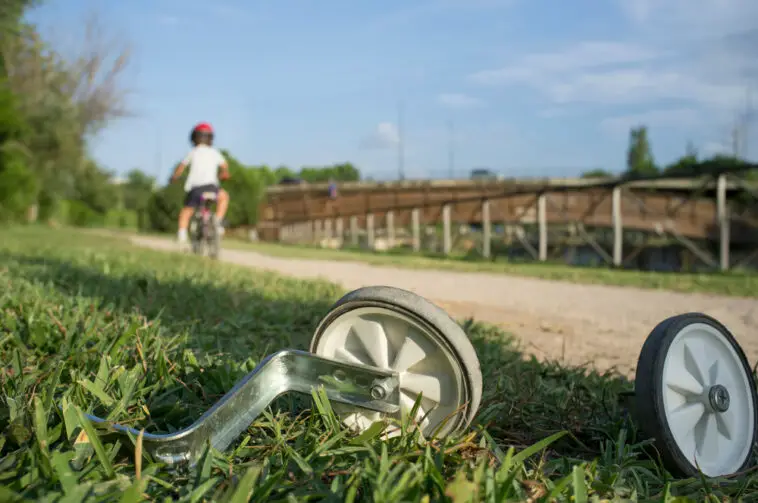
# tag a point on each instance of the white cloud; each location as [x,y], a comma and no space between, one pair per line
[639,86]
[413,11]
[584,55]
[679,118]
[695,53]
[458,100]
[717,40]
[385,136]
[618,73]
[715,147]
[690,19]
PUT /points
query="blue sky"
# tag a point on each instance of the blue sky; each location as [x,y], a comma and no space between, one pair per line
[532,88]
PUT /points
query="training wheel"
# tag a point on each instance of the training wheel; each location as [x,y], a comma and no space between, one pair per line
[696,396]
[395,329]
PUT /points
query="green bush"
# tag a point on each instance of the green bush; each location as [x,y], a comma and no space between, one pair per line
[18,185]
[81,215]
[121,219]
[163,208]
[247,188]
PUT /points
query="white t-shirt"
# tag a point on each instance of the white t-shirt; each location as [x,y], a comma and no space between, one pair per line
[203,162]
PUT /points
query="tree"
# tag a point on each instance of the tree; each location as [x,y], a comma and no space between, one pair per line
[137,191]
[61,102]
[597,173]
[343,172]
[283,172]
[639,158]
[163,208]
[687,165]
[17,183]
[93,188]
[246,187]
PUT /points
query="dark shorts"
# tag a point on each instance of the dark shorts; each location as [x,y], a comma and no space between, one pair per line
[194,198]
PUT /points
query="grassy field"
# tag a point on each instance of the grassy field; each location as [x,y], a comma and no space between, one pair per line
[739,284]
[152,340]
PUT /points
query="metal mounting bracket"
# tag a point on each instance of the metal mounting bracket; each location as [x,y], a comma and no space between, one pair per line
[281,372]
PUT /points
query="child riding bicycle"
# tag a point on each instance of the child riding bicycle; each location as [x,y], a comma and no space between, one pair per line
[204,163]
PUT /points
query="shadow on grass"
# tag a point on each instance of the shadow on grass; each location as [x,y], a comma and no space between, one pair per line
[230,328]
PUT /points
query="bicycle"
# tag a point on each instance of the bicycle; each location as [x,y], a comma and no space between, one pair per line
[204,227]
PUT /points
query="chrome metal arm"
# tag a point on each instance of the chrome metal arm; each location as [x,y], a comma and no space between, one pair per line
[279,373]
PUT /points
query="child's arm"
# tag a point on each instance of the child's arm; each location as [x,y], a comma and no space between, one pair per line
[181,167]
[223,167]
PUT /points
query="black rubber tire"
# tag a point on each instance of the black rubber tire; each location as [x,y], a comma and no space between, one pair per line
[196,234]
[197,247]
[446,331]
[649,412]
[214,240]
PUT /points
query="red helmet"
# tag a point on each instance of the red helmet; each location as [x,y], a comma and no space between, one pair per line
[202,129]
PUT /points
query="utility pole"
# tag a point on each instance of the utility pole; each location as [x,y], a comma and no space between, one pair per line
[741,131]
[400,143]
[747,123]
[158,154]
[736,140]
[451,148]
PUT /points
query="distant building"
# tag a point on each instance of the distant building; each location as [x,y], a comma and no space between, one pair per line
[484,174]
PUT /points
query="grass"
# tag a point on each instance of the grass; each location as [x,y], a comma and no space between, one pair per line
[90,324]
[738,284]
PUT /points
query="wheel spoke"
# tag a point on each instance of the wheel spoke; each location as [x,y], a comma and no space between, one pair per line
[410,353]
[687,416]
[692,363]
[713,373]
[345,355]
[428,386]
[683,383]
[725,424]
[708,446]
[396,331]
[371,334]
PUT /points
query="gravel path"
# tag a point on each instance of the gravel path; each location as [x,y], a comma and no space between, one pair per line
[602,325]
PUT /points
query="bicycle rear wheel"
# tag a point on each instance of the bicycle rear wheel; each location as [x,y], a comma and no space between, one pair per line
[213,238]
[196,234]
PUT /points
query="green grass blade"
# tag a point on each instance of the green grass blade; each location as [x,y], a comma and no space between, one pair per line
[97,445]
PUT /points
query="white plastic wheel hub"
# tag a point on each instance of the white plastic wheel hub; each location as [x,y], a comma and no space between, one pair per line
[384,338]
[708,400]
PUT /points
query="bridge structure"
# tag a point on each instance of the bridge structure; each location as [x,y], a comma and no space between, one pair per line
[710,215]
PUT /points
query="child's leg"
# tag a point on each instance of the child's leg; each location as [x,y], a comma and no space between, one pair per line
[184,218]
[222,204]
[185,214]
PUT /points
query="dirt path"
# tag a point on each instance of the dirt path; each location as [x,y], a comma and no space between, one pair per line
[571,322]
